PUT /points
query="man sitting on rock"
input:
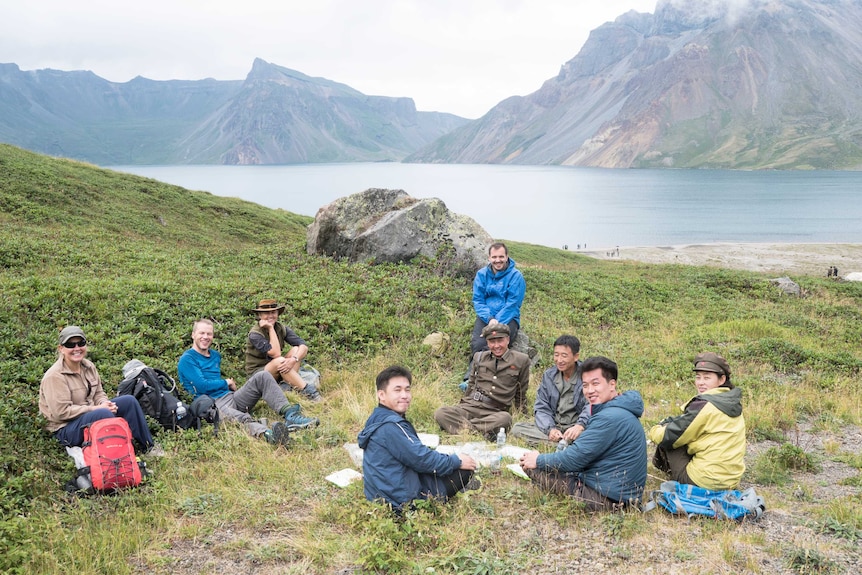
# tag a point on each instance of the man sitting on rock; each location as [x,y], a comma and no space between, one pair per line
[561,411]
[498,292]
[265,349]
[498,379]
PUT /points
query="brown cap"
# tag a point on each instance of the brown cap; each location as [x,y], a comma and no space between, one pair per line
[269,305]
[495,331]
[708,361]
[71,331]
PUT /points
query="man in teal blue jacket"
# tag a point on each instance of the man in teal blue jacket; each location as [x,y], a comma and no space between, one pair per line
[606,467]
[498,292]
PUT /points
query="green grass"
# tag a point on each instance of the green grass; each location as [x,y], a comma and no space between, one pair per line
[134,261]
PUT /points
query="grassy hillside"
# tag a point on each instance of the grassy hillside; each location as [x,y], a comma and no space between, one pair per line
[134,261]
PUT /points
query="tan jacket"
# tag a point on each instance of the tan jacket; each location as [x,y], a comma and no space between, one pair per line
[65,395]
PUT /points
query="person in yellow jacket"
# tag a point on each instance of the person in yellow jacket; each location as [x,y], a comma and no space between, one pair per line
[704,446]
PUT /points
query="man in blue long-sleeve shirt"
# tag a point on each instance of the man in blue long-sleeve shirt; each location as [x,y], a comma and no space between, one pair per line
[200,373]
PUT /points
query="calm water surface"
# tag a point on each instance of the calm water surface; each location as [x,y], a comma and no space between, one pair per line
[556,206]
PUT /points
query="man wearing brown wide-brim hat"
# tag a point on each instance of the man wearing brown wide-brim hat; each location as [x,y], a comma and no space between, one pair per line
[265,349]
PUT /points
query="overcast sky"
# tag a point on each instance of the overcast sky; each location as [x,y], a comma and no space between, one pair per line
[458,56]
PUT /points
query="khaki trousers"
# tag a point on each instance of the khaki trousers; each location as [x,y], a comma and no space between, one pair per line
[472,415]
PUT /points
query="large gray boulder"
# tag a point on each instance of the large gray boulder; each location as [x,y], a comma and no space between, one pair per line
[390,226]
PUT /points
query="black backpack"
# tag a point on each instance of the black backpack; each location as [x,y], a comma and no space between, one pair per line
[203,408]
[155,390]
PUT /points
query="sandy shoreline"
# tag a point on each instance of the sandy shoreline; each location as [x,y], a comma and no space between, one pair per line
[772,258]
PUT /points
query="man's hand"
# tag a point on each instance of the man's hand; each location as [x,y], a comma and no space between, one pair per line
[493,321]
[467,462]
[573,432]
[528,460]
[231,384]
[289,363]
[109,405]
[266,322]
[555,435]
[281,364]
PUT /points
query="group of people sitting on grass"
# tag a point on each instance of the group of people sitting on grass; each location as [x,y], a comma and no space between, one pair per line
[602,448]
[71,395]
[602,454]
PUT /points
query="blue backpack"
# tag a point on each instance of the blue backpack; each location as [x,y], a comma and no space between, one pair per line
[691,500]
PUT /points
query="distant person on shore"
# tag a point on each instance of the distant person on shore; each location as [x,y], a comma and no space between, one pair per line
[705,446]
[561,410]
[265,349]
[396,467]
[498,292]
[498,380]
[606,467]
[71,397]
[200,373]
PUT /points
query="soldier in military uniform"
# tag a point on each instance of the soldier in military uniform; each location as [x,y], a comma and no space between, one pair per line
[499,377]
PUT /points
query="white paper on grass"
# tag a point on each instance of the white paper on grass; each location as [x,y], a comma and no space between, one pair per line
[486,454]
[344,477]
[513,451]
[429,440]
[355,452]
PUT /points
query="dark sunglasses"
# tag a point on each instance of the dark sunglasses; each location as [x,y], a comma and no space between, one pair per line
[74,344]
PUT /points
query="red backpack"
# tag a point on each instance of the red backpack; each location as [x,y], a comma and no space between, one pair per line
[110,455]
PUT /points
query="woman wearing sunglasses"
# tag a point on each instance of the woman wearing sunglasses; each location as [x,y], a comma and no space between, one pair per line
[71,396]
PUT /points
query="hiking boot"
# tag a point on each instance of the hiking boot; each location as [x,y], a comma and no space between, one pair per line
[311,392]
[475,484]
[278,435]
[296,421]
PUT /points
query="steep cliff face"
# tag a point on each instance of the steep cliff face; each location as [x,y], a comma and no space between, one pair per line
[745,84]
[275,116]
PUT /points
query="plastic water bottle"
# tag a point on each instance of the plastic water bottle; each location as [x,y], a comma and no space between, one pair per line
[562,445]
[181,410]
[497,461]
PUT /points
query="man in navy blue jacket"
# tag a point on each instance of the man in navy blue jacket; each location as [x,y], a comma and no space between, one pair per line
[606,466]
[396,466]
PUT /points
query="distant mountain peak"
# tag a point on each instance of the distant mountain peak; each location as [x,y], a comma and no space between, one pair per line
[700,83]
[275,116]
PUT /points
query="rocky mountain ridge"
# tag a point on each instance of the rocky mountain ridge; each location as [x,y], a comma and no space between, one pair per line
[275,116]
[745,84]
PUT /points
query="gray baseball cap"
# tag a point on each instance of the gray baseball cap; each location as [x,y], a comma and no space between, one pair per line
[133,368]
[71,331]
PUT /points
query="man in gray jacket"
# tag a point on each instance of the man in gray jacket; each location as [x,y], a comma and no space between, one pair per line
[561,409]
